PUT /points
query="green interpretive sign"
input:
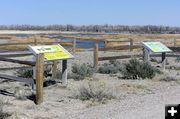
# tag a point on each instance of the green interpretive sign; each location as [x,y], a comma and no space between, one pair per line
[156,47]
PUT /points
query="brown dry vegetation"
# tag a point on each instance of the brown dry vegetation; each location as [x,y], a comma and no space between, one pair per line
[118,36]
[22,43]
[167,39]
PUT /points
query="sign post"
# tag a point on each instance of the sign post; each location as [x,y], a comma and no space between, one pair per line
[39,78]
[50,53]
[155,47]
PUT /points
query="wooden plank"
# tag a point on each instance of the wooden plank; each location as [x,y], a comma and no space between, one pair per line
[118,57]
[14,68]
[23,67]
[26,43]
[35,40]
[167,55]
[15,54]
[20,79]
[118,40]
[105,43]
[39,78]
[125,47]
[130,56]
[47,36]
[131,45]
[31,63]
[61,43]
[175,42]
[96,50]
[74,46]
[174,48]
[6,37]
[66,43]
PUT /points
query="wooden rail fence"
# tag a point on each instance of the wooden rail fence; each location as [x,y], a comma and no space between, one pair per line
[36,41]
[97,49]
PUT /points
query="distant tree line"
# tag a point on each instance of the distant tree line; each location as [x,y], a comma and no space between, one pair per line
[97,28]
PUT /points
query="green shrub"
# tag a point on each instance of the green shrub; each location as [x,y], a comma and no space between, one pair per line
[25,73]
[138,70]
[79,72]
[110,68]
[28,73]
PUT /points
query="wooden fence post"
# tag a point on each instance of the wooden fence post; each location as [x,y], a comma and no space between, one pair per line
[174,42]
[54,69]
[105,45]
[74,46]
[39,78]
[64,72]
[35,40]
[131,45]
[96,48]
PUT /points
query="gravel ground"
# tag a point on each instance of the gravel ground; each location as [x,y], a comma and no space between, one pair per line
[136,107]
[141,99]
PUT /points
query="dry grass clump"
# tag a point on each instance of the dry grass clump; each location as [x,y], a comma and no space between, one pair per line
[169,76]
[20,94]
[97,91]
[3,114]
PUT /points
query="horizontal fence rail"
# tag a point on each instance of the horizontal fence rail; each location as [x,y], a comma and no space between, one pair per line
[15,54]
[125,47]
[20,79]
[31,63]
[97,49]
[43,43]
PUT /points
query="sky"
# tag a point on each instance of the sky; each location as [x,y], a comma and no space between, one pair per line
[90,12]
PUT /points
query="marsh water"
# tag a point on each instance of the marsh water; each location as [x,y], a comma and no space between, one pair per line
[79,43]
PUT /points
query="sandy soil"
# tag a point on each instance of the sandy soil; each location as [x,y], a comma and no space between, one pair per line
[136,99]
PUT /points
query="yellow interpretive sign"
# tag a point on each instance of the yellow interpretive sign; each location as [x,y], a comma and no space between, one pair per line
[51,52]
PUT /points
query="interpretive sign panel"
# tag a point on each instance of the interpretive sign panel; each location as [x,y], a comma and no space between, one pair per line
[156,47]
[51,52]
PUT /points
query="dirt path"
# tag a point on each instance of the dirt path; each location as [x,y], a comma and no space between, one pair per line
[146,107]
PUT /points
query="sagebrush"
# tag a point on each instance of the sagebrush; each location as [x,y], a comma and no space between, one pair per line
[111,67]
[135,69]
[28,73]
[79,72]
